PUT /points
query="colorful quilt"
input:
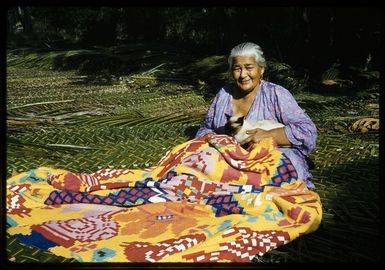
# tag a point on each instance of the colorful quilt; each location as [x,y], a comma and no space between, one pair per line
[207,200]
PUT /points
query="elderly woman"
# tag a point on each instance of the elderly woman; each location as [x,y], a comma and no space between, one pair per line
[257,99]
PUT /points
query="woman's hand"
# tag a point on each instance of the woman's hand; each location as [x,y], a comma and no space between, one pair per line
[258,134]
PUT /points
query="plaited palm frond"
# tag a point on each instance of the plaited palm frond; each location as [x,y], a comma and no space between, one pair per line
[61,120]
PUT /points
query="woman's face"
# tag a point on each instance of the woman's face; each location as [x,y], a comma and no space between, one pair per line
[246,73]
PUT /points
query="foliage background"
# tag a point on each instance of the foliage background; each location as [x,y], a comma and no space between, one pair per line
[308,38]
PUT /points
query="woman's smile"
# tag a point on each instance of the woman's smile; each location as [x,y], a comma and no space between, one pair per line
[245,82]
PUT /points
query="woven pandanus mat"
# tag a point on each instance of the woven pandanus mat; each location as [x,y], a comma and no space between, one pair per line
[58,119]
[91,149]
[350,226]
[19,253]
[344,160]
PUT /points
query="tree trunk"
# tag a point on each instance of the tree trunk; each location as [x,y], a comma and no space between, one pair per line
[11,21]
[25,19]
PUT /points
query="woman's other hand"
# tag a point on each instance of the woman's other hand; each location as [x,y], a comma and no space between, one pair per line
[258,134]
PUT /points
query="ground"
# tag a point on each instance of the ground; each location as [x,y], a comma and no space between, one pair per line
[66,115]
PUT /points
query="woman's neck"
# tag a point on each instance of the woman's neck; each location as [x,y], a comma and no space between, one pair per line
[241,104]
[240,95]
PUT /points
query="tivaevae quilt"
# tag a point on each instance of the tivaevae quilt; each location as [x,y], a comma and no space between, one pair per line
[207,200]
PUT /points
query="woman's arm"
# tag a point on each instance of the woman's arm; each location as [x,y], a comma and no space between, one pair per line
[299,130]
[278,134]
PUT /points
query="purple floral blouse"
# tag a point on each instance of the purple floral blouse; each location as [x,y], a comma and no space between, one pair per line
[273,102]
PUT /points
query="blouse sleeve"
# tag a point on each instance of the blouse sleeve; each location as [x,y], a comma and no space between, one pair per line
[207,125]
[299,128]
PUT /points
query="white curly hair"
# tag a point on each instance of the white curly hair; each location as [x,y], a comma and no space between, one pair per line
[247,49]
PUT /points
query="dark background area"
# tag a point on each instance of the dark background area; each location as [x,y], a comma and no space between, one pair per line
[310,39]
